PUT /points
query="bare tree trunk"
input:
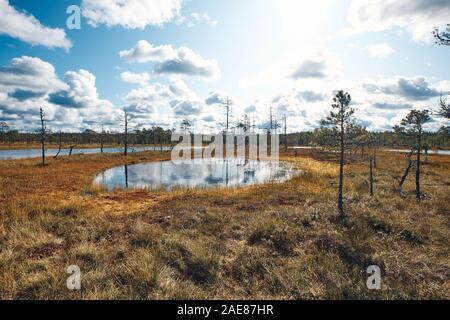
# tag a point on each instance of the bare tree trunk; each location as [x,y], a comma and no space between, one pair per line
[228,114]
[101,140]
[60,145]
[375,159]
[419,150]
[126,135]
[341,174]
[71,149]
[405,175]
[43,129]
[285,135]
[371,176]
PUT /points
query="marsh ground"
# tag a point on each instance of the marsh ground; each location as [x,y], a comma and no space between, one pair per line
[278,241]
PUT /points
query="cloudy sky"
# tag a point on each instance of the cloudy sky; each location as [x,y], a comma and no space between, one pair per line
[169,60]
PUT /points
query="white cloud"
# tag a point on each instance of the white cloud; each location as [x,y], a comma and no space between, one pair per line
[418,17]
[309,66]
[135,78]
[203,18]
[169,61]
[28,83]
[82,92]
[131,14]
[411,88]
[196,18]
[379,50]
[27,28]
[29,73]
[145,52]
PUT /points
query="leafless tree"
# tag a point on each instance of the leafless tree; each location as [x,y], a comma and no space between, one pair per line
[126,135]
[101,139]
[285,134]
[371,176]
[43,131]
[59,145]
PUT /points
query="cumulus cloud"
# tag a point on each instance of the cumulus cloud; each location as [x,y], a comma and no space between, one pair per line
[416,88]
[29,73]
[22,95]
[187,108]
[130,14]
[250,109]
[82,92]
[311,96]
[143,103]
[145,52]
[170,103]
[27,28]
[316,65]
[310,69]
[216,97]
[28,83]
[170,61]
[418,17]
[393,106]
[310,65]
[379,50]
[147,98]
[135,78]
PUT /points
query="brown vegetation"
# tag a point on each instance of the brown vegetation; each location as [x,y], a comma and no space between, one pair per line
[271,241]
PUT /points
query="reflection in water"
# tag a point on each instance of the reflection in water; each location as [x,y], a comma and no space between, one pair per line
[126,176]
[202,173]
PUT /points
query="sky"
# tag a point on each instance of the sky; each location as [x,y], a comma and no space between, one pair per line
[164,61]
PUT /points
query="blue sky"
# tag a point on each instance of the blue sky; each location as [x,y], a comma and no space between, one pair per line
[181,59]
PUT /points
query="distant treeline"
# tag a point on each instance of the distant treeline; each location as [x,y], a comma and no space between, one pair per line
[362,137]
[141,137]
[319,137]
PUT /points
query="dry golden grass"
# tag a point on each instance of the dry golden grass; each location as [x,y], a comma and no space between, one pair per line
[277,241]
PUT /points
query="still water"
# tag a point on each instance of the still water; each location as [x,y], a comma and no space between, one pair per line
[34,153]
[438,152]
[202,173]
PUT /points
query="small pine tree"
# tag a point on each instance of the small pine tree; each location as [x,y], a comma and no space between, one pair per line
[340,120]
[414,122]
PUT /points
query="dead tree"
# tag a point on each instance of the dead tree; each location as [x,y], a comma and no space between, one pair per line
[409,166]
[72,146]
[59,144]
[371,176]
[375,158]
[101,139]
[228,105]
[285,134]
[42,132]
[125,152]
